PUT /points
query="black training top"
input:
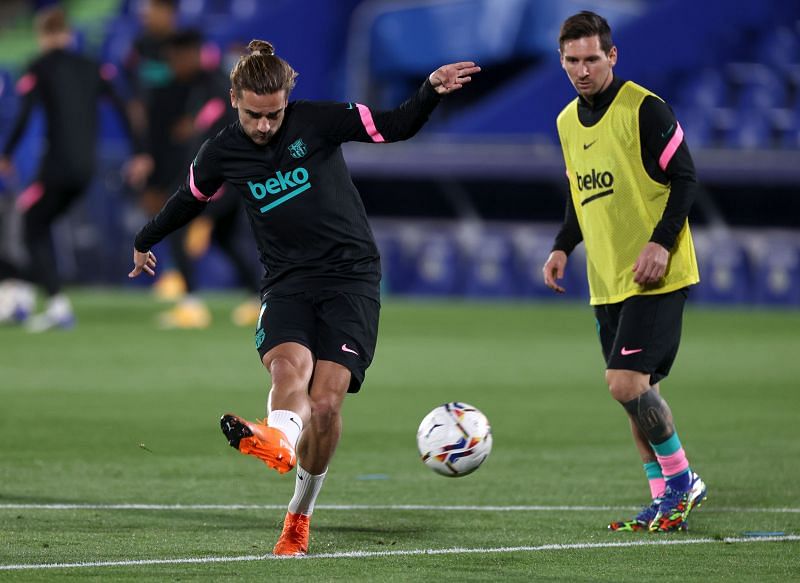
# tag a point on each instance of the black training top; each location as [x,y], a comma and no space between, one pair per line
[307,217]
[68,86]
[656,125]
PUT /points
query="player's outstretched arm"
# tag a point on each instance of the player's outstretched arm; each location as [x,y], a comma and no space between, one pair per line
[452,77]
[358,122]
[143,261]
[553,270]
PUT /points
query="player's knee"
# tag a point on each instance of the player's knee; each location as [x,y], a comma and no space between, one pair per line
[287,371]
[325,411]
[625,385]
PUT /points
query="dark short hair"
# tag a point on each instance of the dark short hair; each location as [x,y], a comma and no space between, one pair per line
[586,24]
[189,38]
[169,4]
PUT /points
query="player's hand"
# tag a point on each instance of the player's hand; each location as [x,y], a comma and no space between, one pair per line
[553,270]
[651,264]
[452,77]
[143,262]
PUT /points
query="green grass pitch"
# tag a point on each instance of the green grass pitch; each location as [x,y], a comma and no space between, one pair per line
[117,412]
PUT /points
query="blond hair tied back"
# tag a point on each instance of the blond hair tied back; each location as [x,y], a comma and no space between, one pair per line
[262,71]
[261,47]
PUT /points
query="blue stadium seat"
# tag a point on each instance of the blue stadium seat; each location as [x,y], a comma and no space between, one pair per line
[437,266]
[705,90]
[696,124]
[780,48]
[786,124]
[762,93]
[776,267]
[410,39]
[532,247]
[725,274]
[490,270]
[751,130]
[394,266]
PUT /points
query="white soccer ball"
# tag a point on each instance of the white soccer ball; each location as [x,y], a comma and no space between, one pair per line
[454,439]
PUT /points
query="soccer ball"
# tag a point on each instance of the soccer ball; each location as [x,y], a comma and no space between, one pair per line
[454,439]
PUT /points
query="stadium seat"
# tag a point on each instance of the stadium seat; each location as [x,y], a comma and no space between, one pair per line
[696,124]
[436,268]
[490,270]
[780,48]
[725,275]
[394,266]
[786,127]
[776,267]
[705,90]
[532,247]
[751,130]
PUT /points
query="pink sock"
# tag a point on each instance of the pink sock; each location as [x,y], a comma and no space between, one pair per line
[657,487]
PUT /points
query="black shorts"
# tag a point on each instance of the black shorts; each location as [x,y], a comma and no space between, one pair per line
[642,333]
[333,325]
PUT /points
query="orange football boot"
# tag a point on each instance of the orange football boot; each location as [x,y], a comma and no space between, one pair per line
[293,541]
[257,439]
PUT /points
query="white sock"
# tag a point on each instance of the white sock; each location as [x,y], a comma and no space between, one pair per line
[306,490]
[287,421]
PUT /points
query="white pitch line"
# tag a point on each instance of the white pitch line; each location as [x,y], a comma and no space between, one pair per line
[412,552]
[521,508]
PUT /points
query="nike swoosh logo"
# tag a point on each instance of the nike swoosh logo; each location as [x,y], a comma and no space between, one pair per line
[346,349]
[668,132]
[350,105]
[626,352]
[589,145]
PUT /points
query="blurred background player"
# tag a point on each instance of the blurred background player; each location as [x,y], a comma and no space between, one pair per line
[68,87]
[630,199]
[151,105]
[206,112]
[158,100]
[318,324]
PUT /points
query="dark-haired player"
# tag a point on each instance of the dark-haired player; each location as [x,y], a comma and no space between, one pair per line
[632,184]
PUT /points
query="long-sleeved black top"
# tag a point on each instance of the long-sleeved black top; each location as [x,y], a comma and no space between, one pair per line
[69,87]
[306,215]
[657,126]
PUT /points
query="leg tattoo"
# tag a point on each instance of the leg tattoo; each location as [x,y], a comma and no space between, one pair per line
[652,415]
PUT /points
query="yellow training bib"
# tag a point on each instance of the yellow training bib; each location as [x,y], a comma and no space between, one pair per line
[617,203]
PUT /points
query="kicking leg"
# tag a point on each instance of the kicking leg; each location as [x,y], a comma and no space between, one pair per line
[290,365]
